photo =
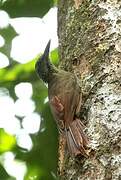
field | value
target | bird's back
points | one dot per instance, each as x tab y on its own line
64	85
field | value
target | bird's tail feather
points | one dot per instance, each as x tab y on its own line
77	141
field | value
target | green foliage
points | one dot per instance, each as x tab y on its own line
8	34
3	173
27	8
7	141
54	57
17	73
41	160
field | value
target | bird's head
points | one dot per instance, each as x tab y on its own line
43	66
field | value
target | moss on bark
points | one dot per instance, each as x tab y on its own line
89	45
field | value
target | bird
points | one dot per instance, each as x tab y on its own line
65	99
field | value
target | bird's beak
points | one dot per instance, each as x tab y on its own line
46	51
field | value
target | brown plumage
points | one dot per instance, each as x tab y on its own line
65	102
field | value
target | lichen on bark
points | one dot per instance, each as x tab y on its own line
90	45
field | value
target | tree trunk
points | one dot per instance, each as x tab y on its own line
90	46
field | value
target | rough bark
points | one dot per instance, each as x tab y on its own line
90	46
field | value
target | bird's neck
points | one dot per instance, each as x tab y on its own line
52	70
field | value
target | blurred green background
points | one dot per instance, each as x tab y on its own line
28	134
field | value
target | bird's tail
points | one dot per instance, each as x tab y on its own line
77	141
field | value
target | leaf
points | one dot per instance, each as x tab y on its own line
27	8
17	72
8	34
7	141
3	174
42	159
54	56
23	72
44	152
34	172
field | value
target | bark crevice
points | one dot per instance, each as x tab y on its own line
90	46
